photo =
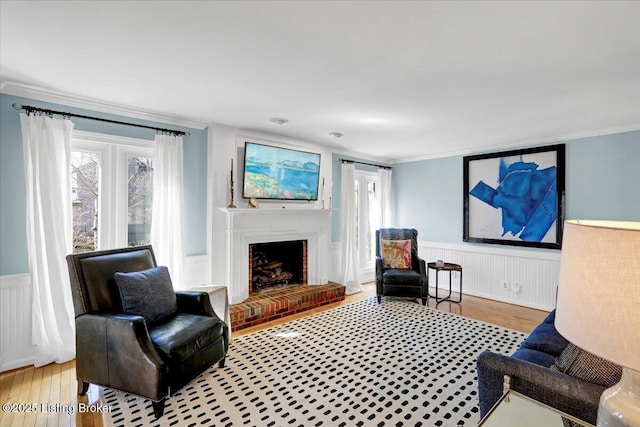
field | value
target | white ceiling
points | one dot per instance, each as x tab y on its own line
400	80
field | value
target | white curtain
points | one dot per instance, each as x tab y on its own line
349	249
167	220
385	197
46	144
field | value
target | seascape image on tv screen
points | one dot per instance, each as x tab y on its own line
280	173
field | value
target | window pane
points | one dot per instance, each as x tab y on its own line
356	187
373	221
85	172
140	199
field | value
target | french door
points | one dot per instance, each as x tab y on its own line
366	187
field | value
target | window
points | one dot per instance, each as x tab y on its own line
367	219
139	199
112	191
85	171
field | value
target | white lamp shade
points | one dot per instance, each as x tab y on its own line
598	307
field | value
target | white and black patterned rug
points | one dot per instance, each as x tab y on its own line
363	364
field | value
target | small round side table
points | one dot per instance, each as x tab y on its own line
450	267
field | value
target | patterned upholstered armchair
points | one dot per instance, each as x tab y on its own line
399	270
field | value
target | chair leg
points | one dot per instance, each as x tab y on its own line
379	299
158	408
83	387
424	301
222	362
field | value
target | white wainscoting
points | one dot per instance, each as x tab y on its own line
16	349
486	267
197	271
335	262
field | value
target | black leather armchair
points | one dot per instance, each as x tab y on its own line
128	352
410	282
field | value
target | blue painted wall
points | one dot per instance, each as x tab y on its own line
13	248
427	195
602	182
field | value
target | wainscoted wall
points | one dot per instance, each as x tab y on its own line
197	271
16	349
484	269
531	276
335	263
15	317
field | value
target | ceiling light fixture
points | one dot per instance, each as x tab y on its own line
336	134
278	121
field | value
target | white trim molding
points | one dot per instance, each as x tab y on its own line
524	143
48	95
548	254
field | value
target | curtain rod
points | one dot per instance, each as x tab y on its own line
363	163
30	109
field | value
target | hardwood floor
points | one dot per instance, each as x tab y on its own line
50	391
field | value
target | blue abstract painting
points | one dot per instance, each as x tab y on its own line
513	197
527	197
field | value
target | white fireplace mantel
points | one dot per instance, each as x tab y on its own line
262	225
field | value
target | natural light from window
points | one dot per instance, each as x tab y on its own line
112	191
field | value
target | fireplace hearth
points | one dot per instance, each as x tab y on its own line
278	302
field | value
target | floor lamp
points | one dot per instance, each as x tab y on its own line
598	307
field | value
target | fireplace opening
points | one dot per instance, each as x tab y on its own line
277	263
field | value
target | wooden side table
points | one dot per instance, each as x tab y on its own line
219	302
450	267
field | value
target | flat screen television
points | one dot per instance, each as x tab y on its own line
280	173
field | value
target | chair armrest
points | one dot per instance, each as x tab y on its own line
568	394
421	267
115	350
195	302
379	271
379	268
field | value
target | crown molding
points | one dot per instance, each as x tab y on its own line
48	95
245	133
524	143
363	156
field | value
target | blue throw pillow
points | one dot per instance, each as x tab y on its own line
148	293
